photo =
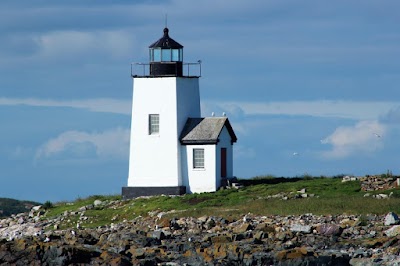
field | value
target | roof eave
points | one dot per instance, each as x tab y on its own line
198	142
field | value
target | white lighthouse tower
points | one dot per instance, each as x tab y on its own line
165	98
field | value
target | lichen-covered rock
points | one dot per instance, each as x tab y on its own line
242	228
393	231
300	228
157	240
329	229
391	218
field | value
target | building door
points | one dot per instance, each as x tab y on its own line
223	162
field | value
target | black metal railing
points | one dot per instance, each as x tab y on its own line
144	70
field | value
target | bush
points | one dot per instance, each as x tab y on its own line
307	176
48	205
263	177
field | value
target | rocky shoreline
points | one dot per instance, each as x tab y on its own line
31	239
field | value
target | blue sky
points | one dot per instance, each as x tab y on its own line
315	78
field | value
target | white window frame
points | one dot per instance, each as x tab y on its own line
154	124
198	158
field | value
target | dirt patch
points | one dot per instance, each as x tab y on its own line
195	201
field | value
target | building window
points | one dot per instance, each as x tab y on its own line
154	124
198	158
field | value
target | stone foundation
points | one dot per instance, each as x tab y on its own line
134	192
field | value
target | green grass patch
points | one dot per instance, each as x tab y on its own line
331	197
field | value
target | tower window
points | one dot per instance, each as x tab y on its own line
198	158
154	124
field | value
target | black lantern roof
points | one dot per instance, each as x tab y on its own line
166	42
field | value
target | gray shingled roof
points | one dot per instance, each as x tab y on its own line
205	130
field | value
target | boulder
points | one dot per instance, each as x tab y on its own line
300	228
156	240
391	218
329	229
266	228
36	208
242	228
97	203
393	231
158	234
221	239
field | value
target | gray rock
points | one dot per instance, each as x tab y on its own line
300	228
21	220
391	218
267	240
202	219
158	234
242	228
329	229
36	208
97	203
393	231
364	262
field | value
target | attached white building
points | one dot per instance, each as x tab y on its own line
172	149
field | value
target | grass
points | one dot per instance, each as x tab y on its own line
332	197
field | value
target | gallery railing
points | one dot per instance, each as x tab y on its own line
182	69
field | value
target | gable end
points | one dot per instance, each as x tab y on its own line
206	130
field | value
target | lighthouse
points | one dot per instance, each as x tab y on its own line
173	150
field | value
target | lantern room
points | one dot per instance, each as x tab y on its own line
166	57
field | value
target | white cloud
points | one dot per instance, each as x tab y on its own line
366	110
352	140
112	144
95	105
117	44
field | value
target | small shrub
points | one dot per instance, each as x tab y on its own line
340	176
262	177
387	175
48	205
363	220
307	176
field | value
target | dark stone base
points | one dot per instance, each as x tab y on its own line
134	192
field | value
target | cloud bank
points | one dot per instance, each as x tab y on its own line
362	138
111	144
95	105
357	110
370	118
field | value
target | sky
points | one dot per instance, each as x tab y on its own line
310	87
